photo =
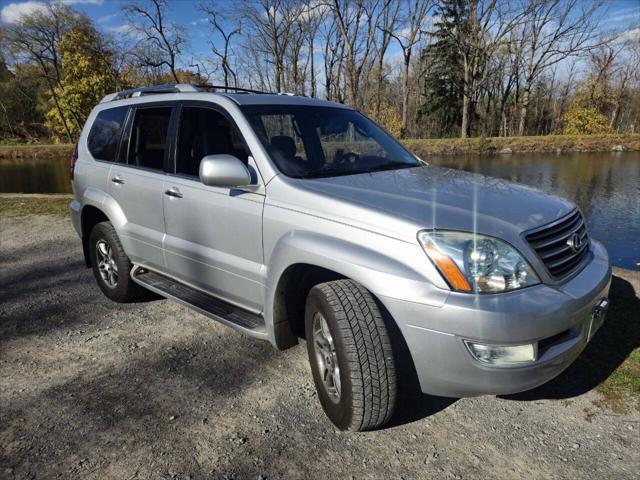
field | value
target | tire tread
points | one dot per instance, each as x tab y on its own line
369	352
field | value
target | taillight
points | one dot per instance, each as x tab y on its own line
74	159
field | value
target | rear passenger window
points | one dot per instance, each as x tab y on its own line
148	141
204	131
105	132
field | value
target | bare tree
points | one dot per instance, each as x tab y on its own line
357	22
227	34
480	28
554	30
408	37
333	51
388	25
313	15
36	37
271	23
160	41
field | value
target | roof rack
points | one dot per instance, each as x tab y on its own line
231	89
139	91
174	88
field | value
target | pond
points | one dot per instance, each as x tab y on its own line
606	186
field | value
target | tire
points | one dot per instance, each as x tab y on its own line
362	394
108	257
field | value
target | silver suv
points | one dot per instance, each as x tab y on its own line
287	217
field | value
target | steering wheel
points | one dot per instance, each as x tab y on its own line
348	157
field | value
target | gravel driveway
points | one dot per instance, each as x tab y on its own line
93	389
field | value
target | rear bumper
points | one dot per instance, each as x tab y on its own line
557	319
75	209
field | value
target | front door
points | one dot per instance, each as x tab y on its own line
213	235
137	184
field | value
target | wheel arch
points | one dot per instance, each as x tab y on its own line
98	207
304	259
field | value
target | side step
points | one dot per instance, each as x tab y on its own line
212	307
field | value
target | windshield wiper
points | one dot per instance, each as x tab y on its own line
338	171
392	166
326	172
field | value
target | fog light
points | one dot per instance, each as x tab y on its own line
502	354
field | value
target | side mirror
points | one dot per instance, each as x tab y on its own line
224	171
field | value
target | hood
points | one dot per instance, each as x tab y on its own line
393	201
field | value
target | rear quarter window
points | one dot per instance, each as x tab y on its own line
105	133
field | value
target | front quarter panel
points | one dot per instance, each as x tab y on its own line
385	266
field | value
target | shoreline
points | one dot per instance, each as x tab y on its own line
426	147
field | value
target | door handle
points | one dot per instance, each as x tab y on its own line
173	192
118	179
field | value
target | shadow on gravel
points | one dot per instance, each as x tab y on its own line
141	403
43	293
616	339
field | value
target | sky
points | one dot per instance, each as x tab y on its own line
622	15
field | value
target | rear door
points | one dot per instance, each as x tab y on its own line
213	235
136	183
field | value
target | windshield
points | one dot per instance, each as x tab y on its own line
312	142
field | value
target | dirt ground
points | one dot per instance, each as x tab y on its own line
93	389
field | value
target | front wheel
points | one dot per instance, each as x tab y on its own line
351	356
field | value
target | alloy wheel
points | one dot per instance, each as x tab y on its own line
326	357
107	265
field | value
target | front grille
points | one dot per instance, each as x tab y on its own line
553	244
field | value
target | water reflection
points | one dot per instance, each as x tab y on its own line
37	175
606	186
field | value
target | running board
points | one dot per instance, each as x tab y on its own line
212	307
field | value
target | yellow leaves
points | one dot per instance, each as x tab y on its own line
584	121
87	76
389	118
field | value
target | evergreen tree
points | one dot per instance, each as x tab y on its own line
443	82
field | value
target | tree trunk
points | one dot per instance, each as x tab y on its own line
524	109
313	69
379	86
405	95
466	103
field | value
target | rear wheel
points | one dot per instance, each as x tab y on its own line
111	266
350	354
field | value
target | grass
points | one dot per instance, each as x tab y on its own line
541	144
25	206
426	147
12	152
622	383
618	341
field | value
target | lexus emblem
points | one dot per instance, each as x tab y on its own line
574	242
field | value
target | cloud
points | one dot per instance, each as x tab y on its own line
128	31
106	18
80	2
630	35
12	12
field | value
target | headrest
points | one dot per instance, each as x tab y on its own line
285	144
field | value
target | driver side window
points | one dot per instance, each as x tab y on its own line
204	131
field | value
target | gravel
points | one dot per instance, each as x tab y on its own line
94	389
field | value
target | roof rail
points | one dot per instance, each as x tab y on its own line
178	88
139	91
207	86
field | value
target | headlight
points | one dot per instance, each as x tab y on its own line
476	263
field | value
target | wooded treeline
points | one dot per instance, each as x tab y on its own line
422	68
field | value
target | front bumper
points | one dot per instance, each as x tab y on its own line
559	319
